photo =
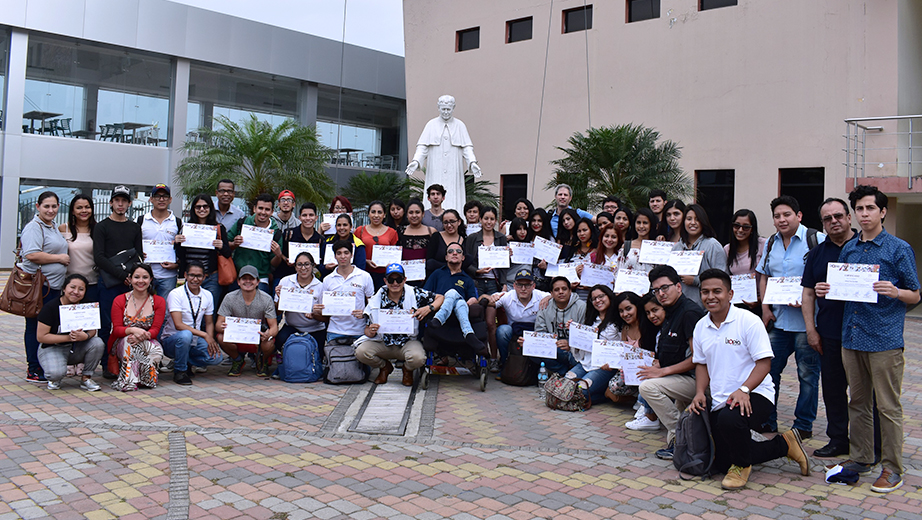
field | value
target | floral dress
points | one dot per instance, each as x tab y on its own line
139	362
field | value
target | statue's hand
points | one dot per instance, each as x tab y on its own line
412	167
475	170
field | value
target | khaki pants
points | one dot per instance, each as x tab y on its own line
877	374
668	396
374	353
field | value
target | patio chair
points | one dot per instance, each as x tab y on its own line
118	133
64	126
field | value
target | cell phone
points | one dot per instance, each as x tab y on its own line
770	326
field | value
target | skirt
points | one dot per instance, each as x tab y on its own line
138	364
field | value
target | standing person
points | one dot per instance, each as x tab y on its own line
872	339
78	231
563	194
203	212
338	206
348	278
453	231
114	238
744	251
61	348
555	319
603	315
248	302
608	251
137	317
604	218
645	224
344	232
541	227
415	238
376	234
227	214
698	235
522	209
791	244
43	248
396	215
657	202
161	225
519	231
733	357
285	217
670	227
472	210
487	280
301	322
263	261
623	218
303	234
435	194
610	204
588	240
566	234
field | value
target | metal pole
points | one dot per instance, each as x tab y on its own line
848	148
910	153
864	138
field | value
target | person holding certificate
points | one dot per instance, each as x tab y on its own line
487	280
636	331
303	234
252	304
698	235
604	319
555	319
645	224
453	230
670	227
348	279
136	320
263	261
521	306
608	251
587	241
376	233
411	304
415	237
203	214
460	293
519	232
301	322
744	251
67	347
540	225
161	226
344	232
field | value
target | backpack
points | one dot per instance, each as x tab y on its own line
342	368
565	394
301	361
812	242
694	444
518	369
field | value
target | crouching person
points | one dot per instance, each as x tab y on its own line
376	350
248	302
733	357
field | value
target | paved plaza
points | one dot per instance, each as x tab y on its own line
245	447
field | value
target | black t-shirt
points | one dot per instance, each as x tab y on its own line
830	312
678	328
50	315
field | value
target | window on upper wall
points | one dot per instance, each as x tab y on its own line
518	30
807	185
715	194
639	10
704	5
578	19
468	39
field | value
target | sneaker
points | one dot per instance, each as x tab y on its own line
736	478
643	424
199	370
494	366
667	452
182	378
166	365
796	451
262	366
109	375
35	377
236	367
89	385
887	482
641	412
53	385
858	467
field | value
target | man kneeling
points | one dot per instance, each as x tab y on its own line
733	357
248	302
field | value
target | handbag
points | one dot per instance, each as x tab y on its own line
227	271
22	295
124	260
565	394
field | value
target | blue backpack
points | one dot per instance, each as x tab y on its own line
301	360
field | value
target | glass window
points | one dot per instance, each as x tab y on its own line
518	30
579	19
715	4
639	10
364	128
468	39
715	194
80	89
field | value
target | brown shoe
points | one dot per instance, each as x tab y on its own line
796	451
383	372
736	478
407	376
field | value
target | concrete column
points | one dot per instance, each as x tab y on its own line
179	109
307	103
207	114
91	101
403	159
12	146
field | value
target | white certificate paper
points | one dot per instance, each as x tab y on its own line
522	252
242	330
582	336
158	251
83	316
598	274
547	250
567	270
783	290
296	248
338	303
744	288
493	256
631	361
395	321
539	344
632	280
606	352
295	299
199	235
330	218
472	228
258	238
414	269
852	282
655	252
686	263
384	255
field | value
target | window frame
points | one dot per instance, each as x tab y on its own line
459	36
509	24
563	19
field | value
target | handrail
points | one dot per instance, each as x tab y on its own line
856	144
883	118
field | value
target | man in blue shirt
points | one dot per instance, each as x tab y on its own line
563	194
872	339
785	254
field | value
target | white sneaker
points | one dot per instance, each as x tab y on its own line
54	385
89	385
637	405
166	365
199	370
643	424
641	412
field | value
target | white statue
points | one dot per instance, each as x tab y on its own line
445	146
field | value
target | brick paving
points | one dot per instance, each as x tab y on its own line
244	447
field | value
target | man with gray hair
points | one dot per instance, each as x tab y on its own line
563	194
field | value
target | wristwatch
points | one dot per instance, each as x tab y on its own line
431	308
745	389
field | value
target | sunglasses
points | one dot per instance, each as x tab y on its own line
450	251
746	227
394	279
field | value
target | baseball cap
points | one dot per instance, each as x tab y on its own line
394	268
120	191
287	193
524	274
248	270
160	187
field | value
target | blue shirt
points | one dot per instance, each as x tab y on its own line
829	314
555	217
876	327
442	281
788	262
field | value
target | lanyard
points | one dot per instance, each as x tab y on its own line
194	311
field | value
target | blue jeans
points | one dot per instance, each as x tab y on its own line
30	340
186	348
503	337
598	381
560	366
454	303
784	344
107	295
210	284
163	286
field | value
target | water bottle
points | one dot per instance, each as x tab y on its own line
542	378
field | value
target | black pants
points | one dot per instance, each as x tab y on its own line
732	438
835	396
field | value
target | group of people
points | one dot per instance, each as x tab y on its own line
709	355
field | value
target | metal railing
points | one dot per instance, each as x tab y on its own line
883	147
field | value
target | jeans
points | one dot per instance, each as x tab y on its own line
503	336
163	286
107	295
785	343
210	284
185	348
55	358
454	303
733	441
560	366
597	379
29	338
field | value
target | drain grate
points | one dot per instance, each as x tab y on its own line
385	411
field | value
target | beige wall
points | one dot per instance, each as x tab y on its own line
756	87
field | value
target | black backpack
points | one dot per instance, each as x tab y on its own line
694	444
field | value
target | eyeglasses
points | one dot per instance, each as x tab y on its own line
662	288
524	285
450	222
225	191
394	279
837	216
304	264
201	206
599	298
745	227
286	199
160	196
194	276
450	251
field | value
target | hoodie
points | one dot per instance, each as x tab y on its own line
554	320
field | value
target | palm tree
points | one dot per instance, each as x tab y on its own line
624	161
384	186
259	158
479	190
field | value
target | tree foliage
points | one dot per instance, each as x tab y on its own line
480	190
624	161
365	187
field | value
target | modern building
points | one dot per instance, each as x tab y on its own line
103	92
756	93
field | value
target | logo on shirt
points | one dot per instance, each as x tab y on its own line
731	341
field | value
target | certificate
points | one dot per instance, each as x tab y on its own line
493	256
655	251
414	269
199	235
330	218
472	228
547	250
598	274
158	251
539	344
783	290
567	270
606	352
242	330
295	299
395	321
338	303
744	288
296	248
83	316
384	255
632	280
631	361
258	238
582	336
686	263
522	252
852	282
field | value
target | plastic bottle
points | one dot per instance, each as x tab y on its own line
542	378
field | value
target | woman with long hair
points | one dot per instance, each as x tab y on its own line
670	229
344	232
623	218
522	209
636	331
453	230
566	232
202	212
136	320
608	251
604	218
698	235
376	233
297	322
338	205
487	280
396	215
645	224
744	251
519	231
540	225
602	315
645	418
414	239
78	231
587	241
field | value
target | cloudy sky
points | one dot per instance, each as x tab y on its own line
376	24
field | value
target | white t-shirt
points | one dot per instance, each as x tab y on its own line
298	320
359	283
518	313
182	300
730	353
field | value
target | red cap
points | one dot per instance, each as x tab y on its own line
287	193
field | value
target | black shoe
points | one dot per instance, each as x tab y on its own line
804	434
182	378
109	375
831	450
474	342
189	372
767	429
436	323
